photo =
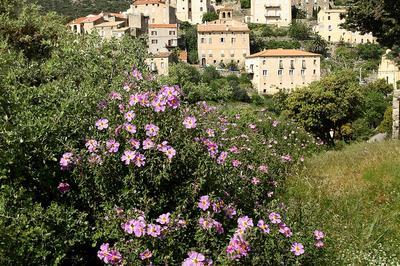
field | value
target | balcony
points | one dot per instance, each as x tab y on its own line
272	14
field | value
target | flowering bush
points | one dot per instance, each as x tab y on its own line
170	183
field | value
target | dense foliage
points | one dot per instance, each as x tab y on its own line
80	8
381	17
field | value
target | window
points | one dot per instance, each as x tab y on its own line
171	32
292	64
264	62
222	40
280	64
162	64
280	72
201	9
291	72
315	72
329	17
330	27
232	40
265	72
329	38
153	32
303	72
202	40
154	41
303	64
315	62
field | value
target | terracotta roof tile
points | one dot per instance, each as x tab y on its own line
282	52
153	26
221	25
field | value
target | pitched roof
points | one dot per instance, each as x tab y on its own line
282	53
154	26
118	15
221	25
92	18
144	2
162	55
110	24
78	20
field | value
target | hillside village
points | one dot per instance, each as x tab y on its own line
199	132
224	33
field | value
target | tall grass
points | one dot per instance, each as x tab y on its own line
354	196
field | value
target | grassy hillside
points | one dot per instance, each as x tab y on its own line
354	196
79	8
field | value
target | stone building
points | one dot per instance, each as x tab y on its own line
329	28
271	12
192	10
282	69
162	37
223	41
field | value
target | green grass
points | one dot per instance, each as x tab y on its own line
354	196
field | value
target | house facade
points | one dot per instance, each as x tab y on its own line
162	37
282	69
271	12
159	63
388	70
153	11
329	28
192	10
223	41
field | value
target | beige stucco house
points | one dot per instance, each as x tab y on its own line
388	70
192	10
153	12
282	69
159	63
85	25
162	37
275	12
223	41
329	28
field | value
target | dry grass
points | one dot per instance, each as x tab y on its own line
354	195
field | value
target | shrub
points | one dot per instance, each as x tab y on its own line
220	167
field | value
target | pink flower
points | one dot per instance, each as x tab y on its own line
63	187
218	227
275	123
147	254
194	259
139	159
137	74
319	244
134	99
283	229
130	128
114	257
128	157
153	230
163	218
245	222
263	226
129	116
112	146
102	124
319	235
104	251
222	157
134	143
206	223
263	169
92	145
236	163
252	126
230	211
210	132
190	122
255	181
237	248
274	217
170	152
159	104
204	202
66	161
297	249
286	158
135	226
151	130
148	144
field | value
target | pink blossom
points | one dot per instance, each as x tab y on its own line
66	160
128	157
275	123
236	163
206	223
130	128
163	218
135	226
170	152
190	122
115	96
263	169
148	144
319	244
92	145
102	124
63	187
195	259
210	132
204	202
112	146
151	130
263	226
274	217
134	143
297	249
153	230
255	181
319	235
103	252
129	116
237	248
222	157
139	159
285	230
245	222
147	254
